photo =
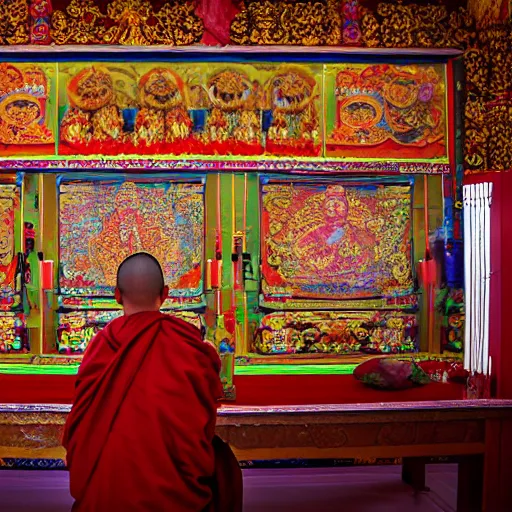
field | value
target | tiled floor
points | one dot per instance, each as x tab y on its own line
359	489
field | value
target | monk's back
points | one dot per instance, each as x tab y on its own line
140	435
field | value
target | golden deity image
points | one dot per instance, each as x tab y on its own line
234	123
386	111
93	117
294	130
163	115
316	235
23	106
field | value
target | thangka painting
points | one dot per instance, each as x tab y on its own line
204	109
9	288
336	241
334	332
386	111
101	223
27	109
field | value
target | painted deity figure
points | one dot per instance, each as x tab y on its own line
315	235
292	94
127	231
93	113
163	115
23	95
234	109
334	241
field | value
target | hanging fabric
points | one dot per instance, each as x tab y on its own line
477	272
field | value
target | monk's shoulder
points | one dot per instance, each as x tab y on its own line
182	327
187	338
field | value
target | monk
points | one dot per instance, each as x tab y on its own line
140	436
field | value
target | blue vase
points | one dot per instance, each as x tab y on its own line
267	118
129	117
199	116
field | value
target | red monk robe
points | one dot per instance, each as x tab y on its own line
139	436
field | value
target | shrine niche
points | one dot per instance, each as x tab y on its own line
386	111
26	109
127	22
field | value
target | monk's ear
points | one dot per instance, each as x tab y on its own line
118	296
165	294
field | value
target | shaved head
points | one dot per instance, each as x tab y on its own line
140	282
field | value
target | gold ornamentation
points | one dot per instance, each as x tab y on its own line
476	63
14	22
488	112
127	22
499	119
485	11
309	23
82	23
395	25
476	134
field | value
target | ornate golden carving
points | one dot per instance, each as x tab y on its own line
499	120
309	23
497	41
487	59
476	134
14	22
394	25
127	22
80	24
488	112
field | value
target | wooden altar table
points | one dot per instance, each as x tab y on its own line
478	434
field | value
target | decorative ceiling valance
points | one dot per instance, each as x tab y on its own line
127	22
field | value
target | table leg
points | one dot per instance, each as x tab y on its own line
413	473
470	484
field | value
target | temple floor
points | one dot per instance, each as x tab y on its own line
358	489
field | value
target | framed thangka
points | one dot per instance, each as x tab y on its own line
336	240
193	108
27	109
384	111
101	222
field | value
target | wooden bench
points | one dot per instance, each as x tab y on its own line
478	434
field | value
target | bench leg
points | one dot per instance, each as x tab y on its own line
470	484
413	473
